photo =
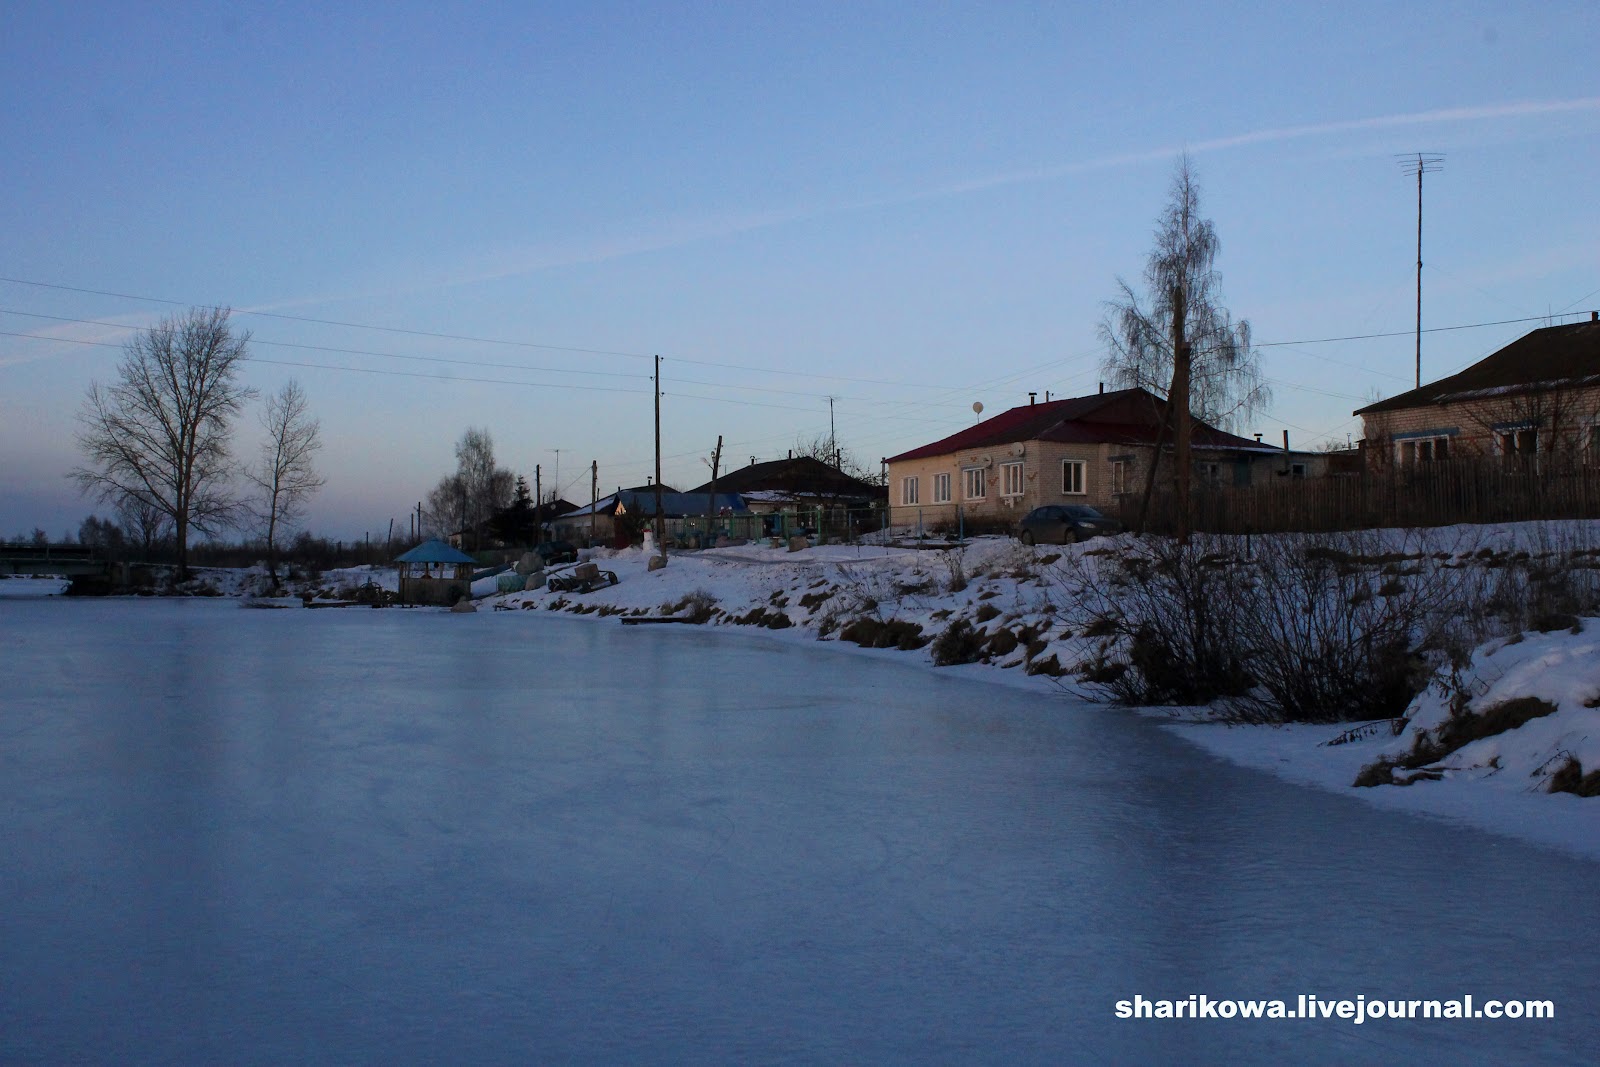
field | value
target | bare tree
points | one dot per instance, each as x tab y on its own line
144	525
1227	388
466	500
158	438
447	507
826	448
284	475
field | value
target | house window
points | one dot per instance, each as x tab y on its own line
1210	474
1011	479
1072	477
941	488
1424	450
1518	446
972	483
1119	477
1517	440
908	491
1297	470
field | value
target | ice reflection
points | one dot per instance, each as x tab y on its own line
414	836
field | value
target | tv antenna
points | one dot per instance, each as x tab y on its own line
1420	163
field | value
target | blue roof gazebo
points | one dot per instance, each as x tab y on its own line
435	573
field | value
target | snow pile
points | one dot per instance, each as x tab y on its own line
1532	698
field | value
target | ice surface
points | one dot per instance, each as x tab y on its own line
405	836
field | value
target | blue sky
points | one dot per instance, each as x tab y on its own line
906	207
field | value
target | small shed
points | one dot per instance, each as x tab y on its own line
435	573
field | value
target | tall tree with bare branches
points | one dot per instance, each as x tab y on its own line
158	438
1226	384
284	474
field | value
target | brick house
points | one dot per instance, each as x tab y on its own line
1084	450
1538	396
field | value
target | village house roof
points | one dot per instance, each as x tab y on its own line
794	478
434	551
1122	416
1548	358
643	502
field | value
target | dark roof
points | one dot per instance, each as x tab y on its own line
434	551
641	502
799	475
554	509
665	488
1123	416
1546	358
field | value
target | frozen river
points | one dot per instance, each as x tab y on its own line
389	836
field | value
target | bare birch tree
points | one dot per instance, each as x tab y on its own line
285	475
465	501
1226	384
158	438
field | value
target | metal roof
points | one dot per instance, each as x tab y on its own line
1553	357
435	551
1123	416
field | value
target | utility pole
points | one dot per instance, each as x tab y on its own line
833	440
661	522
711	505
1179	396
538	506
1424	163
594	495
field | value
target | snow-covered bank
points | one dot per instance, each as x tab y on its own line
1017	602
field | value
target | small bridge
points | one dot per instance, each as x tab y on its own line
76	562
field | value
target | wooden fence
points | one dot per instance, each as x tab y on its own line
1437	494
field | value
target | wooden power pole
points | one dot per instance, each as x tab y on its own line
661	522
711	505
538	505
594	495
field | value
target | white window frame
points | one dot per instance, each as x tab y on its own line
908	491
1119	477
1011	481
1409	452
1077	483
941	488
974	478
1513	433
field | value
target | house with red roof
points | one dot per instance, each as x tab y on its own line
1083	450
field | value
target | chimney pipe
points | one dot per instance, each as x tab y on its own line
1594	316
1102	387
1047	396
1031	398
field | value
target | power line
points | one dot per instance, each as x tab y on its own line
465	337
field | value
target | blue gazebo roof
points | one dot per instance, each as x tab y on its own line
435	551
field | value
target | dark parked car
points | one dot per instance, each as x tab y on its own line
1058	524
557	552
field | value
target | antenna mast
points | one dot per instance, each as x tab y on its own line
1423	163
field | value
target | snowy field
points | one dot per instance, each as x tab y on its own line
411	836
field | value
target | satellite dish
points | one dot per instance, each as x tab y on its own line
977	407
